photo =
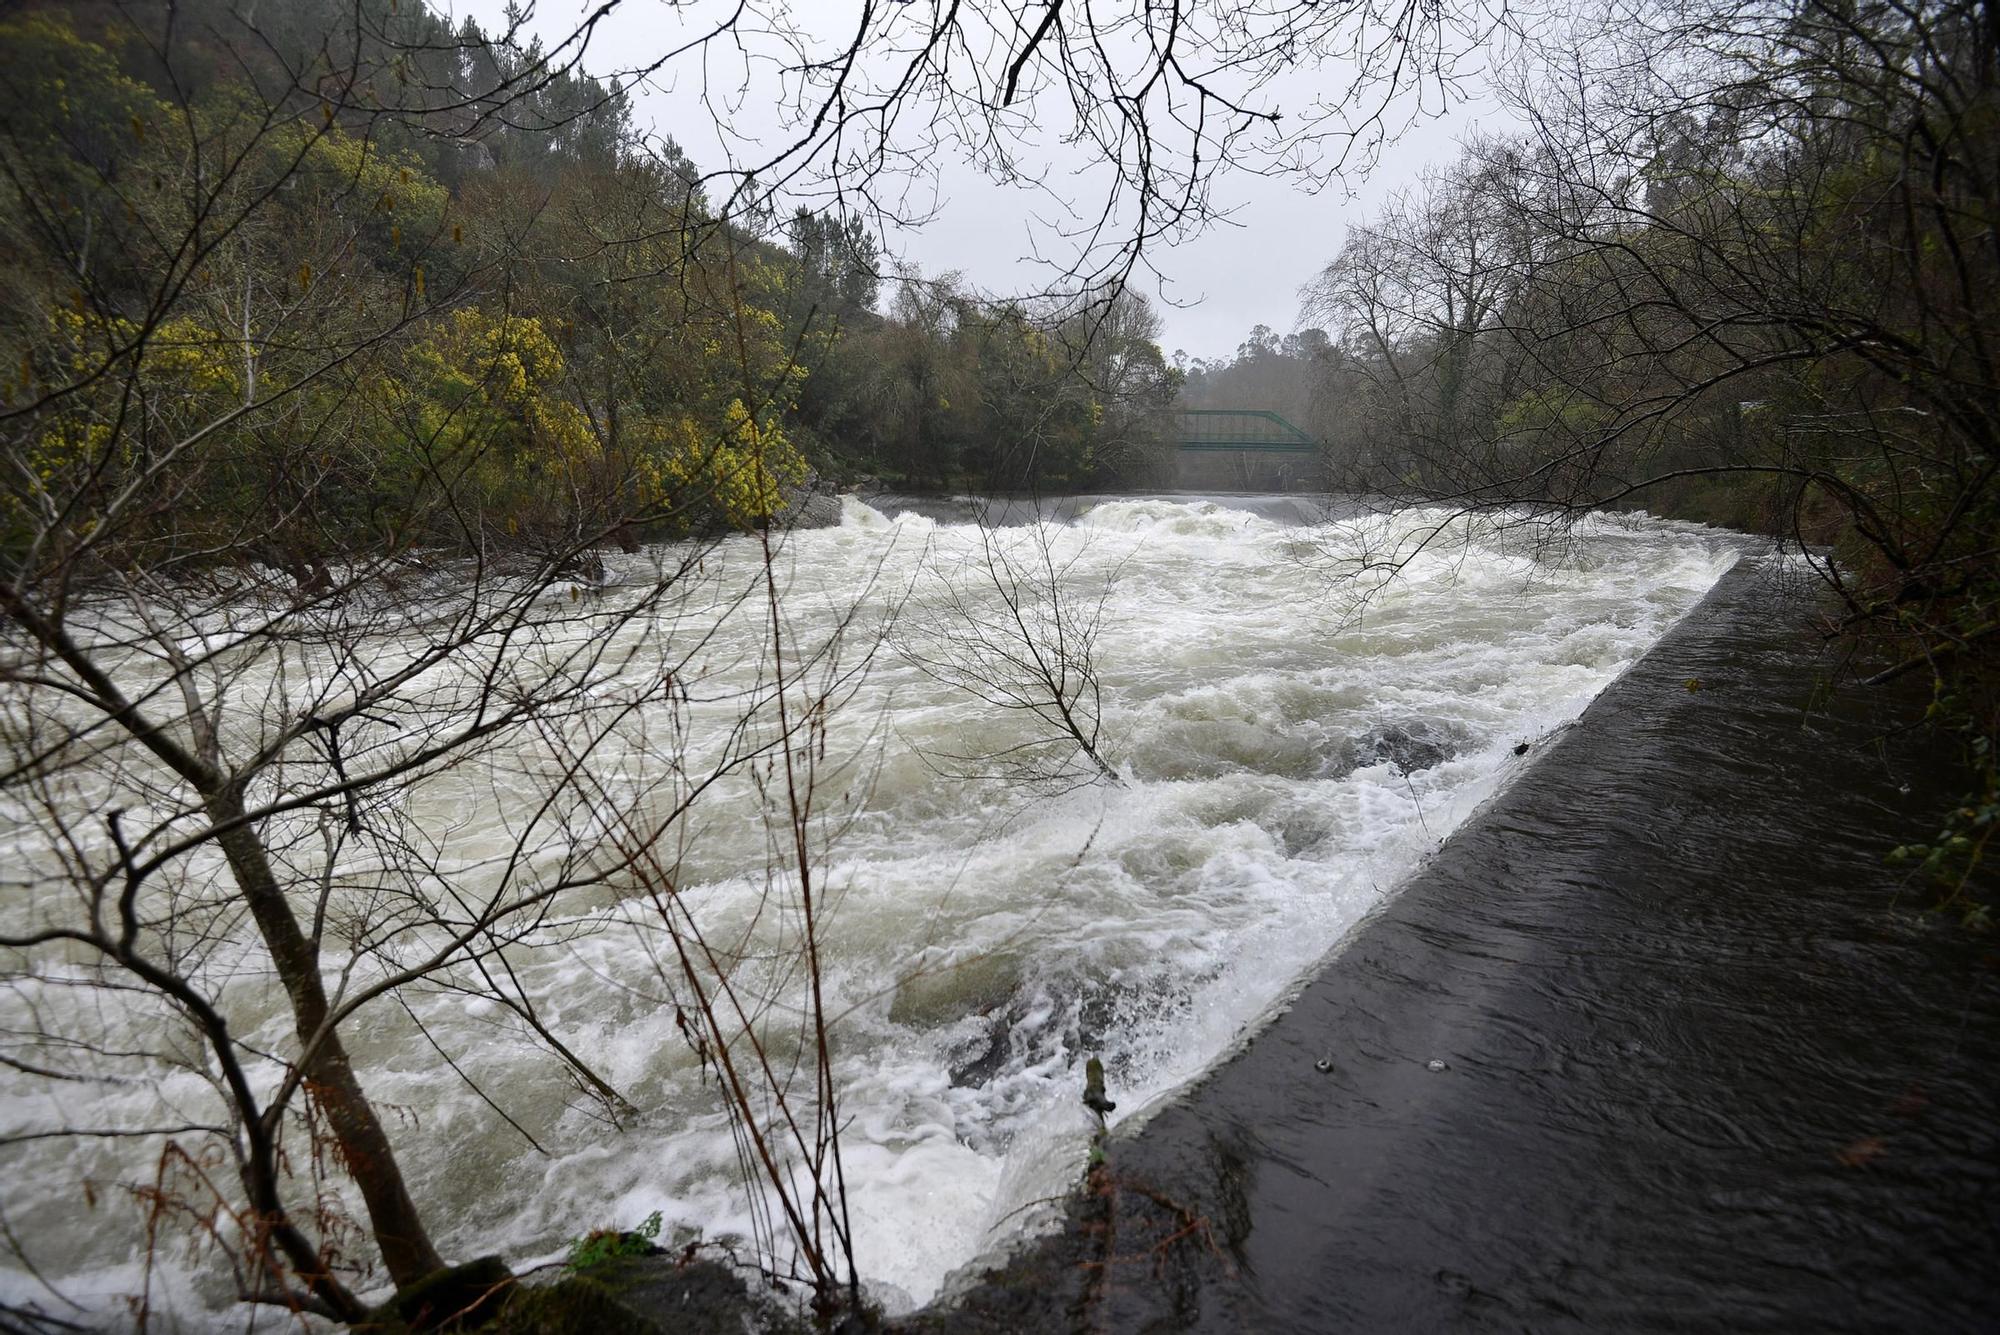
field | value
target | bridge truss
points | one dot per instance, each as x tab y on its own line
1241	429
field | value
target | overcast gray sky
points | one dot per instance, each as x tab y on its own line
1210	289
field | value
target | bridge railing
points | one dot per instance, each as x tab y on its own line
1241	429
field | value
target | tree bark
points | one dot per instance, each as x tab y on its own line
405	1244
399	1231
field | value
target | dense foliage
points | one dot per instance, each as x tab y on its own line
462	303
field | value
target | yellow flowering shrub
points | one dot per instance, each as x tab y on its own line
179	375
137	392
477	403
739	475
181	357
393	185
64	90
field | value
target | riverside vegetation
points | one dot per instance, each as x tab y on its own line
1740	267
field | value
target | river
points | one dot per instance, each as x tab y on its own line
1293	731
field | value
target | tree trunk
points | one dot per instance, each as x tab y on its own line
399	1231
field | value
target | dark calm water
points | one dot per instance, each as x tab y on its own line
1707	1063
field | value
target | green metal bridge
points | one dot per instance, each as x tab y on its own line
1232	430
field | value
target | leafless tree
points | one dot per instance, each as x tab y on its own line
1158	101
1741	266
1014	626
245	724
1692	231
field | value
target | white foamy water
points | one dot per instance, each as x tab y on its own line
1288	753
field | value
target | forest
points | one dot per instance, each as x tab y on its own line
196	237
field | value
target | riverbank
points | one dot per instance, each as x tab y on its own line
1656	1042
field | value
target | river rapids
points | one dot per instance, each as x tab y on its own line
1298	710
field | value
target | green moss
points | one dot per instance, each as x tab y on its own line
646	1295
580	1305
456	1297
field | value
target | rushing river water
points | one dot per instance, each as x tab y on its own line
1293	732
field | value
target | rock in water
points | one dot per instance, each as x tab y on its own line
1093	1088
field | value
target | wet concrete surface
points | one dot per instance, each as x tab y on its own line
1656	1042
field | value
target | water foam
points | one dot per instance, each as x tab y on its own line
1288	755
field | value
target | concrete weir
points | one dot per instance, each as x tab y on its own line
1248	470
1657	1041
